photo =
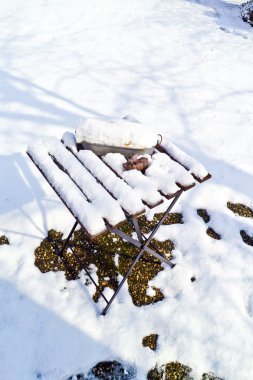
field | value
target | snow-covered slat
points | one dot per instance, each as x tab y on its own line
169	174
143	185
197	170
65	188
106	205
129	200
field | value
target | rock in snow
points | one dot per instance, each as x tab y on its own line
247	12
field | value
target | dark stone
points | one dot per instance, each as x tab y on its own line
155	374
203	214
112	370
246	238
108	370
247	12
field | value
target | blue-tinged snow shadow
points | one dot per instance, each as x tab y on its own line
227	15
14	89
36	343
19	187
17	184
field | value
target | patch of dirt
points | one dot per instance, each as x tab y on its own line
203	214
170	371
4	240
213	234
240	209
206	218
150	341
176	371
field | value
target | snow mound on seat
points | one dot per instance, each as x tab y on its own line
121	133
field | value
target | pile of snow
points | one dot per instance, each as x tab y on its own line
247	12
121	133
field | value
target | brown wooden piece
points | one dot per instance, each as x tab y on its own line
136	163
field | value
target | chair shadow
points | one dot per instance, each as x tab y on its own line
19	187
223	172
15	89
39	343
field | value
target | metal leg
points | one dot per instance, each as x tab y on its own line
137	230
88	274
68	239
164	215
122	282
58	252
142	245
62	258
143	239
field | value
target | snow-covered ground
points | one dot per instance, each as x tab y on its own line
185	68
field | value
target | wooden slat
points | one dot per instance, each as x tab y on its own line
140	183
196	176
169	174
65	202
95	193
166	192
168	188
111	182
201	180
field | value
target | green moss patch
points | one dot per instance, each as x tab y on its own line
240	209
172	218
150	341
4	240
213	234
170	371
176	371
111	256
203	214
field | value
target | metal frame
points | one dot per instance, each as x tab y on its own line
141	242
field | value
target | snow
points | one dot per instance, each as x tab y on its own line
121	133
184	68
